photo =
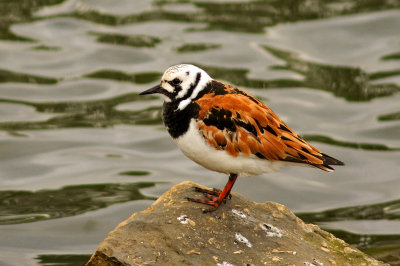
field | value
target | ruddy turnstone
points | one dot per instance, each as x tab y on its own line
226	129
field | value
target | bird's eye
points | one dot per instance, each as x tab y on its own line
176	81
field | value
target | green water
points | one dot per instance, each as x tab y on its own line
81	150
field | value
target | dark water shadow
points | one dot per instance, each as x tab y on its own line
196	47
389	117
347	144
21	206
11	76
63	259
350	83
394	56
138	78
135	173
387	210
128	40
89	114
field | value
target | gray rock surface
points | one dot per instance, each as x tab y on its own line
174	231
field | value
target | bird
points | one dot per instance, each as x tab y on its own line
228	130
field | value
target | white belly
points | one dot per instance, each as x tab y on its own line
195	147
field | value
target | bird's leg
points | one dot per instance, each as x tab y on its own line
216	196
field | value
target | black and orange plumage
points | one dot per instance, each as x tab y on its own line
230	119
225	129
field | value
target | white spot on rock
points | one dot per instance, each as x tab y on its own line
271	230
184	219
224	263
239	237
318	262
239	213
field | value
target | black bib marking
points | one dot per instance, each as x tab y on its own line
177	121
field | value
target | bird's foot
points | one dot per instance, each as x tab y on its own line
209	193
214	198
213	202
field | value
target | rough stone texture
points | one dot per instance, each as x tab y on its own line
174	231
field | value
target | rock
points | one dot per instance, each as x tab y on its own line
174	231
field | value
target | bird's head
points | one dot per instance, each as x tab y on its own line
181	84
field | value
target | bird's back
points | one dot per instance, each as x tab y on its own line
232	120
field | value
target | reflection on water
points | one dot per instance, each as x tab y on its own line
196	47
120	39
138	78
390	117
80	64
27	206
351	83
393	56
99	113
387	210
10	76
354	145
62	259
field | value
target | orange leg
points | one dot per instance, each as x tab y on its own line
216	196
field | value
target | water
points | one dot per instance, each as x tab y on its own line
80	150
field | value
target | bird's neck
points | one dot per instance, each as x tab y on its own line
177	121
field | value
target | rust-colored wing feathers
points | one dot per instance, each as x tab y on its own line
232	120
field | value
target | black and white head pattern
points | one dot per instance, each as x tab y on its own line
182	83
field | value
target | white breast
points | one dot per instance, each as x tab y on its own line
194	146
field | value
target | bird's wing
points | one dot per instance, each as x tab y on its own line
230	119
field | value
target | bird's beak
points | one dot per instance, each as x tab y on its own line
155	89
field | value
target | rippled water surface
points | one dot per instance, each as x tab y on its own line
80	150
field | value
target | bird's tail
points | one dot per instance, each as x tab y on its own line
327	161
